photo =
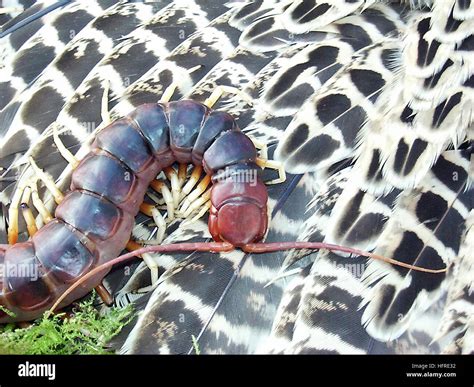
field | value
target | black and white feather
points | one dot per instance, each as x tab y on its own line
369	105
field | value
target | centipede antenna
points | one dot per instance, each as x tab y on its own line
68	156
271	164
279	246
221	90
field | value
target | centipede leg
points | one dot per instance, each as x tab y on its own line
200	189
191	183
262	147
68	156
153	267
198	203
204	209
147	258
169	91
38	203
13	212
104	106
161	187
174	179
221	90
151	210
27	213
273	165
48	182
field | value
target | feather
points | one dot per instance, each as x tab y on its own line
326	128
427	108
456	325
21	70
41	103
302	16
425	229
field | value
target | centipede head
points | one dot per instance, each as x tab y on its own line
239	213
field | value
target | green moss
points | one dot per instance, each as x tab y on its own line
87	331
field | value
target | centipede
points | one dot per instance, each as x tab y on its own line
92	224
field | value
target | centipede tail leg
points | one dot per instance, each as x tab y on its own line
104	294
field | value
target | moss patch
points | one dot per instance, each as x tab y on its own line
87	331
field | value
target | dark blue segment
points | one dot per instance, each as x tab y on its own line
216	123
125	142
24	285
61	252
230	148
100	173
91	214
153	124
186	118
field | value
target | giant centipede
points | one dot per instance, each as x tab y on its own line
93	222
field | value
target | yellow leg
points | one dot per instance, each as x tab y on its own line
221	90
273	165
104	105
169	91
193	180
13	212
27	213
48	182
196	204
160	224
152	265
201	213
262	147
161	187
68	156
38	203
201	187
182	173
173	177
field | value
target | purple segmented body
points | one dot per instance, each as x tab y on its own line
94	221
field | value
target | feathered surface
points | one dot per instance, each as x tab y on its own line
369	105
